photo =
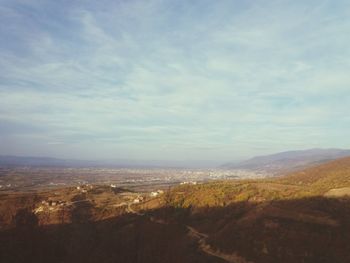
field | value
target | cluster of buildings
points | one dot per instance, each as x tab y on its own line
156	193
138	199
7	185
84	188
49	205
185	182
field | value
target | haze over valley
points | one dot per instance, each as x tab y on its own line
152	131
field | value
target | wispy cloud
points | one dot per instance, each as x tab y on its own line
165	79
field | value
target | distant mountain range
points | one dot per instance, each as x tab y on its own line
278	163
9	161
289	161
28	161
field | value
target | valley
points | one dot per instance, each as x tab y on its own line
299	217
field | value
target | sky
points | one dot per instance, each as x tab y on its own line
173	80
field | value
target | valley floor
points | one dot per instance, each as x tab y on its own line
303	217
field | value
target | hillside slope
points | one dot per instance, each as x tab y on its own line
289	161
313	181
289	219
322	178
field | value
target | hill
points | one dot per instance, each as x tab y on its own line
289	161
322	178
285	219
301	217
312	181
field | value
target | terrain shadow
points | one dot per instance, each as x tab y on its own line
300	230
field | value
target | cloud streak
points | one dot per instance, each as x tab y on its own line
174	80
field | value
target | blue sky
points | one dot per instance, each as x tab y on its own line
208	80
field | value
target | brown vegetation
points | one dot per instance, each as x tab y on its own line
303	217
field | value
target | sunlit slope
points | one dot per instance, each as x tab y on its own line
330	179
322	178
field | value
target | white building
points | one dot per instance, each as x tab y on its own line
154	194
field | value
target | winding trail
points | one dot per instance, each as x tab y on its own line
201	240
206	248
129	209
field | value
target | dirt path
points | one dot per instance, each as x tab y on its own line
205	247
129	209
201	240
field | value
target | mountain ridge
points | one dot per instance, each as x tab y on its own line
288	161
37	161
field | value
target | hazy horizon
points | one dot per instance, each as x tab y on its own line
165	80
177	163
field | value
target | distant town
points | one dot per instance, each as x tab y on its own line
28	178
